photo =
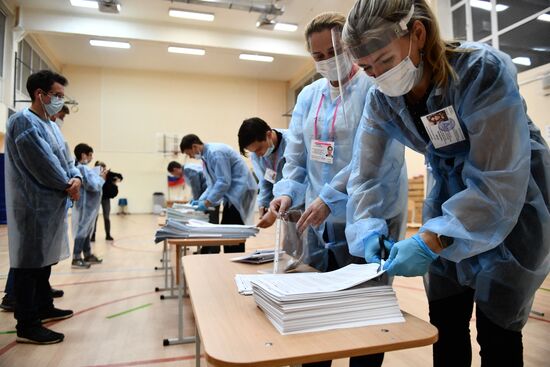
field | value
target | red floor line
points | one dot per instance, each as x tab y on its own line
539	318
105	304
106	280
131	249
150	361
7	347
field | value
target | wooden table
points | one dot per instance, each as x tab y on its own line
235	332
181	245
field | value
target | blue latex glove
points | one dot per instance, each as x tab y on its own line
201	207
372	248
194	202
410	257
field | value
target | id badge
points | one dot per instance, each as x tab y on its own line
322	151
270	175
443	127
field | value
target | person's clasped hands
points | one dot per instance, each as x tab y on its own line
73	189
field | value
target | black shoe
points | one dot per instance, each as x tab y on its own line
39	335
80	264
55	314
109	238
92	259
8	303
92	239
57	293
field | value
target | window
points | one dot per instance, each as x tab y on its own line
518	27
2	40
27	61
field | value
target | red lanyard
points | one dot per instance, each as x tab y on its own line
331	135
275	161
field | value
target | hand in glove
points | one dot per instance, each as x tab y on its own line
372	248
410	257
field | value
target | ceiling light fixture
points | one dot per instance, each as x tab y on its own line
112	44
521	60
186	50
186	14
260	58
486	5
286	27
92	4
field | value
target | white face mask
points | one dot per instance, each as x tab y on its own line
55	105
59	122
198	156
400	79
327	68
269	150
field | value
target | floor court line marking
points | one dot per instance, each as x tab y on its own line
105	280
131	249
150	361
9	346
106	271
128	311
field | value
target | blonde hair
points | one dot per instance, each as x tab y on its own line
323	21
368	18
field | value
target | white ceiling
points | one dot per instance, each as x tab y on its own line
65	31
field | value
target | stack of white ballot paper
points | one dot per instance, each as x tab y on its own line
182	214
199	229
343	298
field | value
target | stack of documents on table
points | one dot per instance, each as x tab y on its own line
184	214
343	298
199	229
257	257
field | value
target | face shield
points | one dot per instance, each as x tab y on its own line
382	57
380	37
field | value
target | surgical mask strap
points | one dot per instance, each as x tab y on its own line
44	107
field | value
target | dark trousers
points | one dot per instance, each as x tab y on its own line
372	360
231	216
82	245
361	361
451	316
32	295
214	218
10	284
106	207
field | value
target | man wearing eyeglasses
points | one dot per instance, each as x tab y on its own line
40	184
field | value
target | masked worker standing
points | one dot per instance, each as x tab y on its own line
486	231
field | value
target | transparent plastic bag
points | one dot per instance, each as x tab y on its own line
292	243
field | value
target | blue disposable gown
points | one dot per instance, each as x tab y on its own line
194	177
490	192
229	179
276	162
85	210
37	175
305	179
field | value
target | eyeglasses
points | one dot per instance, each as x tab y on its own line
58	95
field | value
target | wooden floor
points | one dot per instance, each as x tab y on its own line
103	333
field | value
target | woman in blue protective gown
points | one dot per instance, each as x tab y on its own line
318	179
319	124
485	236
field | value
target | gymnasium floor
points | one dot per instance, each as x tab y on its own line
120	321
